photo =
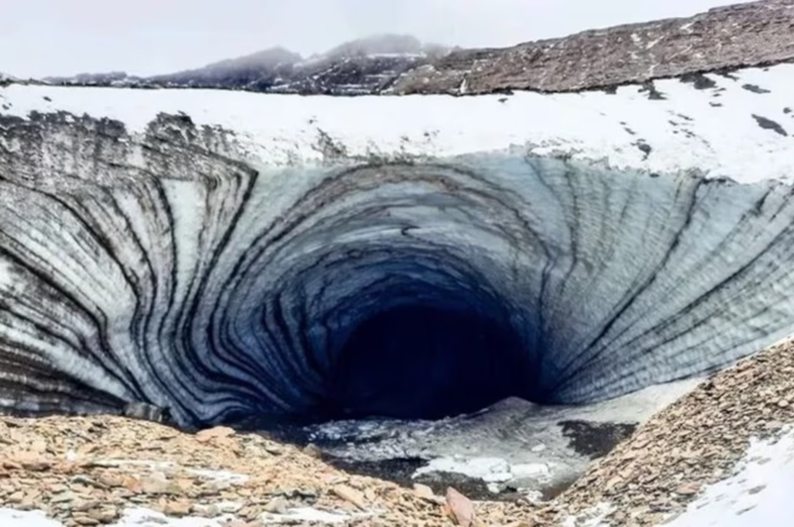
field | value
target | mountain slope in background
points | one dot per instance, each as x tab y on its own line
724	38
243	72
360	66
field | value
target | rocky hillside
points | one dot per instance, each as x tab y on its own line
751	34
694	443
363	66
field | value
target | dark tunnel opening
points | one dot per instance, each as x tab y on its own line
426	362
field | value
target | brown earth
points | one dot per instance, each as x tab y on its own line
756	33
722	39
87	470
693	442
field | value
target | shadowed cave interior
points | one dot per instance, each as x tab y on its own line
425	361
408	300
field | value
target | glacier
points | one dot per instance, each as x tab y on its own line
216	255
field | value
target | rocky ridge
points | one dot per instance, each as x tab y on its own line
358	67
725	38
749	34
696	441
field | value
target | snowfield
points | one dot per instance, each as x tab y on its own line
719	125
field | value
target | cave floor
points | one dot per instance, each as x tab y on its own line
513	449
111	470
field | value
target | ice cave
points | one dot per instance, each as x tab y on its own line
216	255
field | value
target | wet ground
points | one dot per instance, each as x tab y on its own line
595	439
590	439
512	450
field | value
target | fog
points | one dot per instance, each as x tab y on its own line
63	37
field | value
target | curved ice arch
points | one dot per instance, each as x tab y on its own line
151	269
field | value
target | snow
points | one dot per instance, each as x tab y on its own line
635	407
15	518
143	517
712	130
758	494
514	443
305	514
220	476
590	518
133	517
491	470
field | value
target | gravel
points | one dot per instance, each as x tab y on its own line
92	470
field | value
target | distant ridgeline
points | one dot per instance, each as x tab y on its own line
750	34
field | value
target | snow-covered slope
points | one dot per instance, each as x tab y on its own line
757	494
716	124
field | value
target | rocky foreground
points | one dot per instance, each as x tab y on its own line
93	470
692	443
89	470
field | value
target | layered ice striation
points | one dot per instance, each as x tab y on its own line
153	262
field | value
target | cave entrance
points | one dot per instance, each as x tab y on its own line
426	362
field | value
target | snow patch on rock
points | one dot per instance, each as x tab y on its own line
759	493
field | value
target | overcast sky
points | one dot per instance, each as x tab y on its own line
60	37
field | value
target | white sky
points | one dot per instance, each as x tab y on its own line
60	37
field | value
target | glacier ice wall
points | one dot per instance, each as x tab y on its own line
217	260
159	269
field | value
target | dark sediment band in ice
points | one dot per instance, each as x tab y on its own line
152	269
